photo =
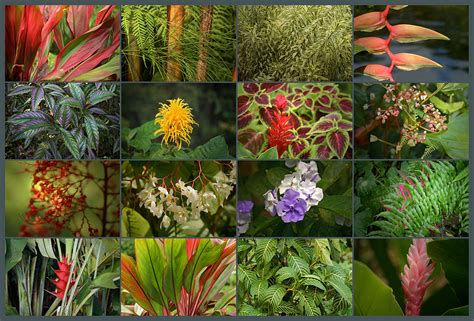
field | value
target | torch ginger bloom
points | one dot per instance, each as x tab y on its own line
176	122
415	276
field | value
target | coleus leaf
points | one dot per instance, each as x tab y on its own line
250	88
251	140
323	152
404	33
244	120
271	87
379	72
243	103
338	142
369	22
408	61
262	99
373	45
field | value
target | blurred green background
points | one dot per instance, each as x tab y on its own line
213	107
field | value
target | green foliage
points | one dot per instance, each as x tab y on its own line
61	121
146	27
29	290
331	217
289	277
295	43
428	198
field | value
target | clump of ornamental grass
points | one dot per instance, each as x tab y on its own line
295	43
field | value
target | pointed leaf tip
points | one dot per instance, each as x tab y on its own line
409	62
369	22
404	33
379	72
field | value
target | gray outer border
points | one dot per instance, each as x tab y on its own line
233	2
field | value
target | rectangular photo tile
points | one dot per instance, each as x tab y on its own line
178	198
411	121
294	277
294	120
411	199
294	198
62	43
295	43
62	120
401	43
178	121
62	277
178	43
411	277
178	277
62	198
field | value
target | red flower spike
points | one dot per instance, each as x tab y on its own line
63	274
279	133
280	102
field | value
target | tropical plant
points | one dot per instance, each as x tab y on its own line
177	42
295	43
184	277
295	198
62	42
418	198
412	121
402	33
295	120
288	277
62	277
411	277
68	198
178	198
177	131
60	121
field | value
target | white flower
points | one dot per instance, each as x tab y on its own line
290	181
309	171
311	194
156	209
180	184
165	222
191	194
270	201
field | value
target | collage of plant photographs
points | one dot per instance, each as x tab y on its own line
236	160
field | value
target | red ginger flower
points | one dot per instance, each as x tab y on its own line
415	276
62	274
279	134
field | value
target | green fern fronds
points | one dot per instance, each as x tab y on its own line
429	201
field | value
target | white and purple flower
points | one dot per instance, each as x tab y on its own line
244	215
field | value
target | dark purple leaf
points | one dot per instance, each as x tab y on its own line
244	119
330	89
243	103
323	152
338	141
250	88
324	100
251	140
298	147
267	114
303	131
346	105
294	121
323	125
319	139
269	87
315	89
37	95
344	125
263	99
309	102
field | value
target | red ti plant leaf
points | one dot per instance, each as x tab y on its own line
371	21
103	14
250	88
251	140
244	119
243	103
408	61
404	33
373	45
132	283
379	72
78	18
23	27
338	142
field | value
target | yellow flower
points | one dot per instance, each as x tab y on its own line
176	122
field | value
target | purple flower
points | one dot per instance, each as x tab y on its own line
244	215
244	206
291	208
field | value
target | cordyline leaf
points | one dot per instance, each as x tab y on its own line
379	72
191	246
408	61
175	253
132	284
373	45
150	268
404	33
369	22
206	254
107	70
78	18
103	14
338	142
251	140
23	27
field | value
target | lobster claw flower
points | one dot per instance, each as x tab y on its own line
371	21
404	33
379	72
409	62
373	45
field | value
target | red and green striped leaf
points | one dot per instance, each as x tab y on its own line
338	142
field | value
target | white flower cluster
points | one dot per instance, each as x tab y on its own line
186	203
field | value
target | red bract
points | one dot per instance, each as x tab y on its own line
279	133
63	273
402	33
89	55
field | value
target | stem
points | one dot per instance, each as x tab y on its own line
106	188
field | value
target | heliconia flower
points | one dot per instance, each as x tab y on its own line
404	33
415	276
176	122
373	45
279	133
370	21
379	72
63	274
408	61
